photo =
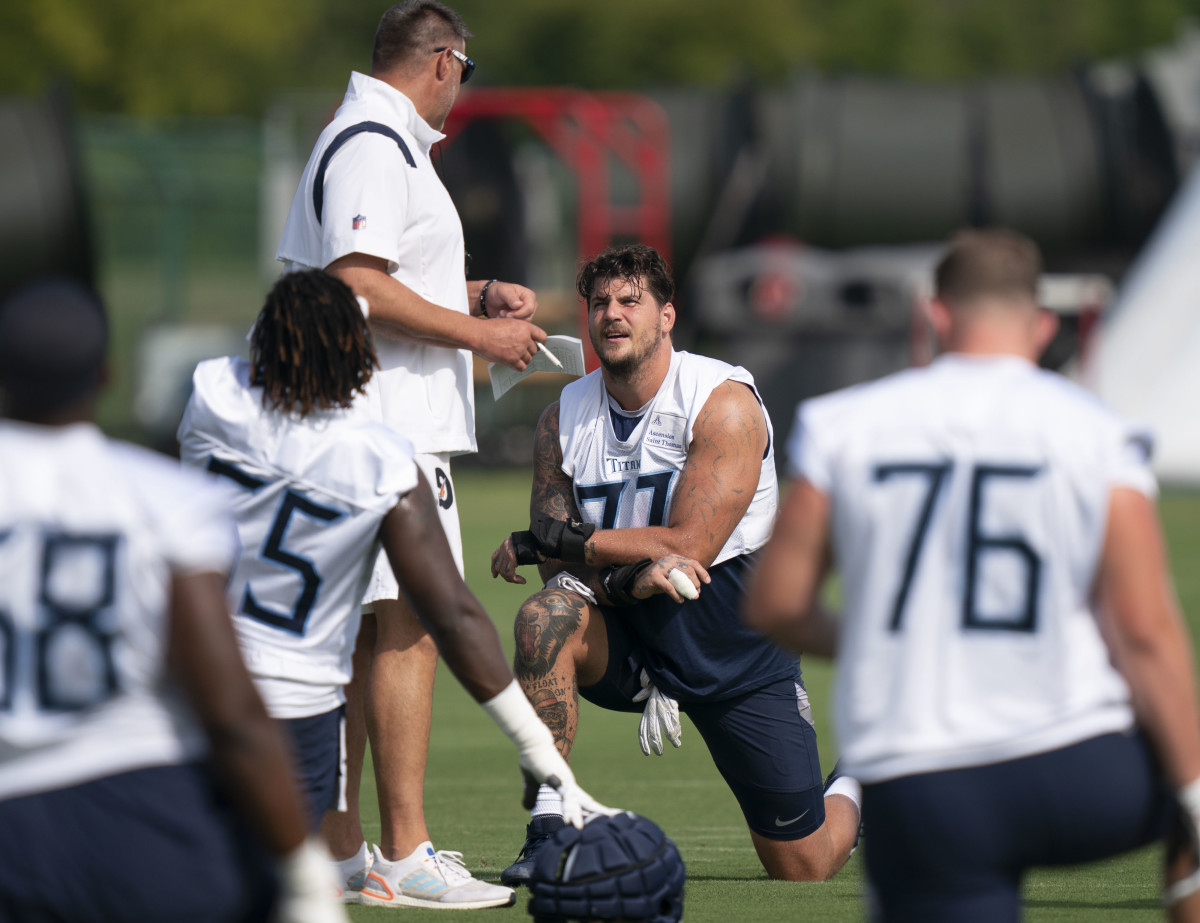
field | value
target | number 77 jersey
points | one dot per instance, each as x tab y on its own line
629	483
968	505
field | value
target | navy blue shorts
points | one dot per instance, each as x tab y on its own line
317	746
762	741
152	844
952	845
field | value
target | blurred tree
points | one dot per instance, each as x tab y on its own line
190	57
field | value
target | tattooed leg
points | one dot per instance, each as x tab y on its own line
557	634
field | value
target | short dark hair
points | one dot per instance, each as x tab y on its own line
310	348
988	263
637	264
53	342
414	28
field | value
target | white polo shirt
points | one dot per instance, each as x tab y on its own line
376	204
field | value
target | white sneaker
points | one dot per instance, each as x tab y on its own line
438	880
352	873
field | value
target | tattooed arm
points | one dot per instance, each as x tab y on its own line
722	453
552	493
551	496
715	489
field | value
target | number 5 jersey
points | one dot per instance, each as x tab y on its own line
309	496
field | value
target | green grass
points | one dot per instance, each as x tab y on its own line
472	788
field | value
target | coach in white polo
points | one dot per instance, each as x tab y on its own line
371	210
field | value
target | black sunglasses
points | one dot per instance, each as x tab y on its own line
467	63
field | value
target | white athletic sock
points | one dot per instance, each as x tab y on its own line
844	785
548	802
354	863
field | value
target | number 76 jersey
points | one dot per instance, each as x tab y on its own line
969	502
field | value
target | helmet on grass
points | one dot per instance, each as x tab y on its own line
616	868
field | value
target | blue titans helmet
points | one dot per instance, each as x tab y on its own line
616	868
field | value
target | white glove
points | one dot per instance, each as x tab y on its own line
567	581
661	713
578	807
1189	808
539	757
309	890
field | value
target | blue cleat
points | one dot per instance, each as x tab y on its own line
538	832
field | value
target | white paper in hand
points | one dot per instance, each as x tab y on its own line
568	351
683	584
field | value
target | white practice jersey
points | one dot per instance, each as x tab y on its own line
621	485
91	534
969	504
309	496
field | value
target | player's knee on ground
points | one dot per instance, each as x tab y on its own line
545	624
812	858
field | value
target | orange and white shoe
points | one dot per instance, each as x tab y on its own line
437	880
351	873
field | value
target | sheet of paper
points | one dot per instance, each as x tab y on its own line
568	351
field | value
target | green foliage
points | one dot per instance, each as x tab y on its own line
190	57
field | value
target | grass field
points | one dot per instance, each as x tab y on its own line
473	785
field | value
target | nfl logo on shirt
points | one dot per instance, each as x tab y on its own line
360	222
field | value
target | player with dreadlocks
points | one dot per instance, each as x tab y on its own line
316	486
311	348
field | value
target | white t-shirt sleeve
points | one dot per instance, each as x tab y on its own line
805	456
1131	461
189	518
366	200
211	539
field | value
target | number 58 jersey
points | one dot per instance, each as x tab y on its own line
969	502
92	531
309	496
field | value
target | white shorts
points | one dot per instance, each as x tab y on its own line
436	469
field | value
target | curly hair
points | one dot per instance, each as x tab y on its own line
637	264
311	348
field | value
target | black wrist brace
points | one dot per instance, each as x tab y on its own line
553	538
618	580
